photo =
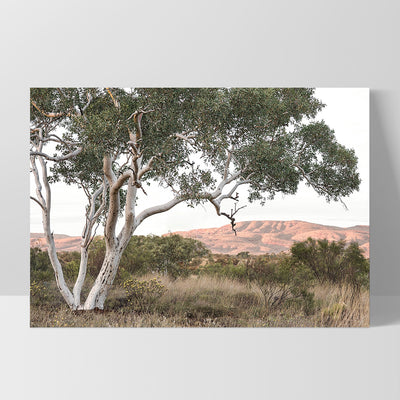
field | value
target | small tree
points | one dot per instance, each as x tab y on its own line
279	279
111	142
333	261
171	254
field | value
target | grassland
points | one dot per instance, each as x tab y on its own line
205	301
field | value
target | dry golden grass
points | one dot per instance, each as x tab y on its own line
342	307
204	301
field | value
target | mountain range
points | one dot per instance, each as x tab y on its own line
259	237
256	237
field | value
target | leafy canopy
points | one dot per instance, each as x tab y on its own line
271	135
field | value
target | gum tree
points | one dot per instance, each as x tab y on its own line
199	144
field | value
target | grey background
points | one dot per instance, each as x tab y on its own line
207	43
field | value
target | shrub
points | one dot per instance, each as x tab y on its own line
309	303
171	255
71	270
40	266
225	270
122	276
280	279
38	293
141	295
333	261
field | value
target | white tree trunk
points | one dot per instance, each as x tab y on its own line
104	280
45	203
115	245
81	278
62	286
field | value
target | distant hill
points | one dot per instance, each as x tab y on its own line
256	237
259	237
63	242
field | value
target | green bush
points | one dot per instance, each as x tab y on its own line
230	270
333	261
141	295
280	279
38	293
40	266
171	255
309	303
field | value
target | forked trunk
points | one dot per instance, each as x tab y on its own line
104	280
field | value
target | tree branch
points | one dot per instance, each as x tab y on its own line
148	167
317	186
114	100
228	161
217	197
40	204
186	136
46	208
60	158
157	210
49	115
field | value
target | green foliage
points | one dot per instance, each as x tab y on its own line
309	303
230	270
96	256
38	292
70	262
243	255
276	141
333	261
122	276
142	294
172	255
279	279
40	266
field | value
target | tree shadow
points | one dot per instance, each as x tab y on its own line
384	209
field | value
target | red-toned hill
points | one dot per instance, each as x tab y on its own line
256	237
63	242
259	237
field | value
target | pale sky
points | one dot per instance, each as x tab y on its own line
346	112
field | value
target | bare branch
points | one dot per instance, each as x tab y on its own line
234	188
49	115
217	197
40	204
141	111
114	100
157	210
185	137
231	217
60	158
57	139
46	208
148	167
92	214
38	184
89	98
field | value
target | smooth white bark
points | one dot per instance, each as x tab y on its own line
46	209
115	245
104	280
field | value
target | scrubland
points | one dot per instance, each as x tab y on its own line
176	282
202	301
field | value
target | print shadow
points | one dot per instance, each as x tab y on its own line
384	210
